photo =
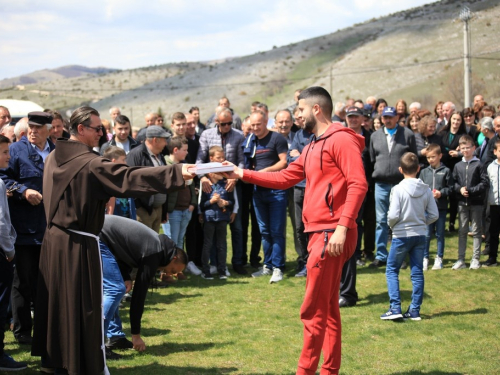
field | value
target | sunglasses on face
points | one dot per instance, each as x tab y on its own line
97	129
226	123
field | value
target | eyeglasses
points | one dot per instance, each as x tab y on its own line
97	129
226	123
465	116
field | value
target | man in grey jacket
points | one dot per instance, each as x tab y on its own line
387	145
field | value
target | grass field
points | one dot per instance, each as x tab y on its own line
247	326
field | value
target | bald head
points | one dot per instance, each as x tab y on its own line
151	119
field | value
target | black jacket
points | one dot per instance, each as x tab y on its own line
438	179
139	157
473	176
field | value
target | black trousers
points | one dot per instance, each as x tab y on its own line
369	221
494	231
24	287
349	271
247	216
6	275
194	239
303	238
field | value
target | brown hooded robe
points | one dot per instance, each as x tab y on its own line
77	184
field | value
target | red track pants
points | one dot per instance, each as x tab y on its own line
320	310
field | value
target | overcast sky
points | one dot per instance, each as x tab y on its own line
130	34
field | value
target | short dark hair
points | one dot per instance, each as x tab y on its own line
497	143
466	139
113	152
433	147
409	163
319	96
263	105
55	114
176	142
178	116
122	120
192	109
181	255
82	116
4	139
254	104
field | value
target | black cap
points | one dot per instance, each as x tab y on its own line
39	118
354	111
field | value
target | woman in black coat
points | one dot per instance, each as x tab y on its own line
450	136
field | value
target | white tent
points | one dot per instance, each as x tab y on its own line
20	108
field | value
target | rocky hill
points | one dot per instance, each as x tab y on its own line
415	54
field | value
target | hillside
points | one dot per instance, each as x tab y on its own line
46	75
414	54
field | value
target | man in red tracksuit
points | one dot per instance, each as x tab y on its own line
335	189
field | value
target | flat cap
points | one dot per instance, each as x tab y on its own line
39	118
155	131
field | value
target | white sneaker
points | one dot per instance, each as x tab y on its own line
425	265
191	267
438	263
264	271
277	276
227	272
459	264
213	270
474	264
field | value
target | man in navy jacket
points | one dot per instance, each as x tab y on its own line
25	176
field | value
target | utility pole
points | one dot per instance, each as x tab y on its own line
466	16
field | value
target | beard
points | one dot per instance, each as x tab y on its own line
310	123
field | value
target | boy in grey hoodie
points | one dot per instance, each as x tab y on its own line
412	208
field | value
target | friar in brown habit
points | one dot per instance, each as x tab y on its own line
77	184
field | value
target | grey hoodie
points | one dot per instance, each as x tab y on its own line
412	208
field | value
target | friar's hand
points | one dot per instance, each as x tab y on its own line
185	172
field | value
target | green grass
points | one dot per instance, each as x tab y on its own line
246	326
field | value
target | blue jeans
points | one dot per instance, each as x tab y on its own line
166	229
270	209
414	246
113	291
179	221
438	228
382	195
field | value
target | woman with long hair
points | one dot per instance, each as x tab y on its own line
412	122
450	135
470	123
438	112
380	105
401	109
426	135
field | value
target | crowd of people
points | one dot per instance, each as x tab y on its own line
456	163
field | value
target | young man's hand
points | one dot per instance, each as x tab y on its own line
138	343
237	172
337	240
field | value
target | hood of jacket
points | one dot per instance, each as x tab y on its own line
414	187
